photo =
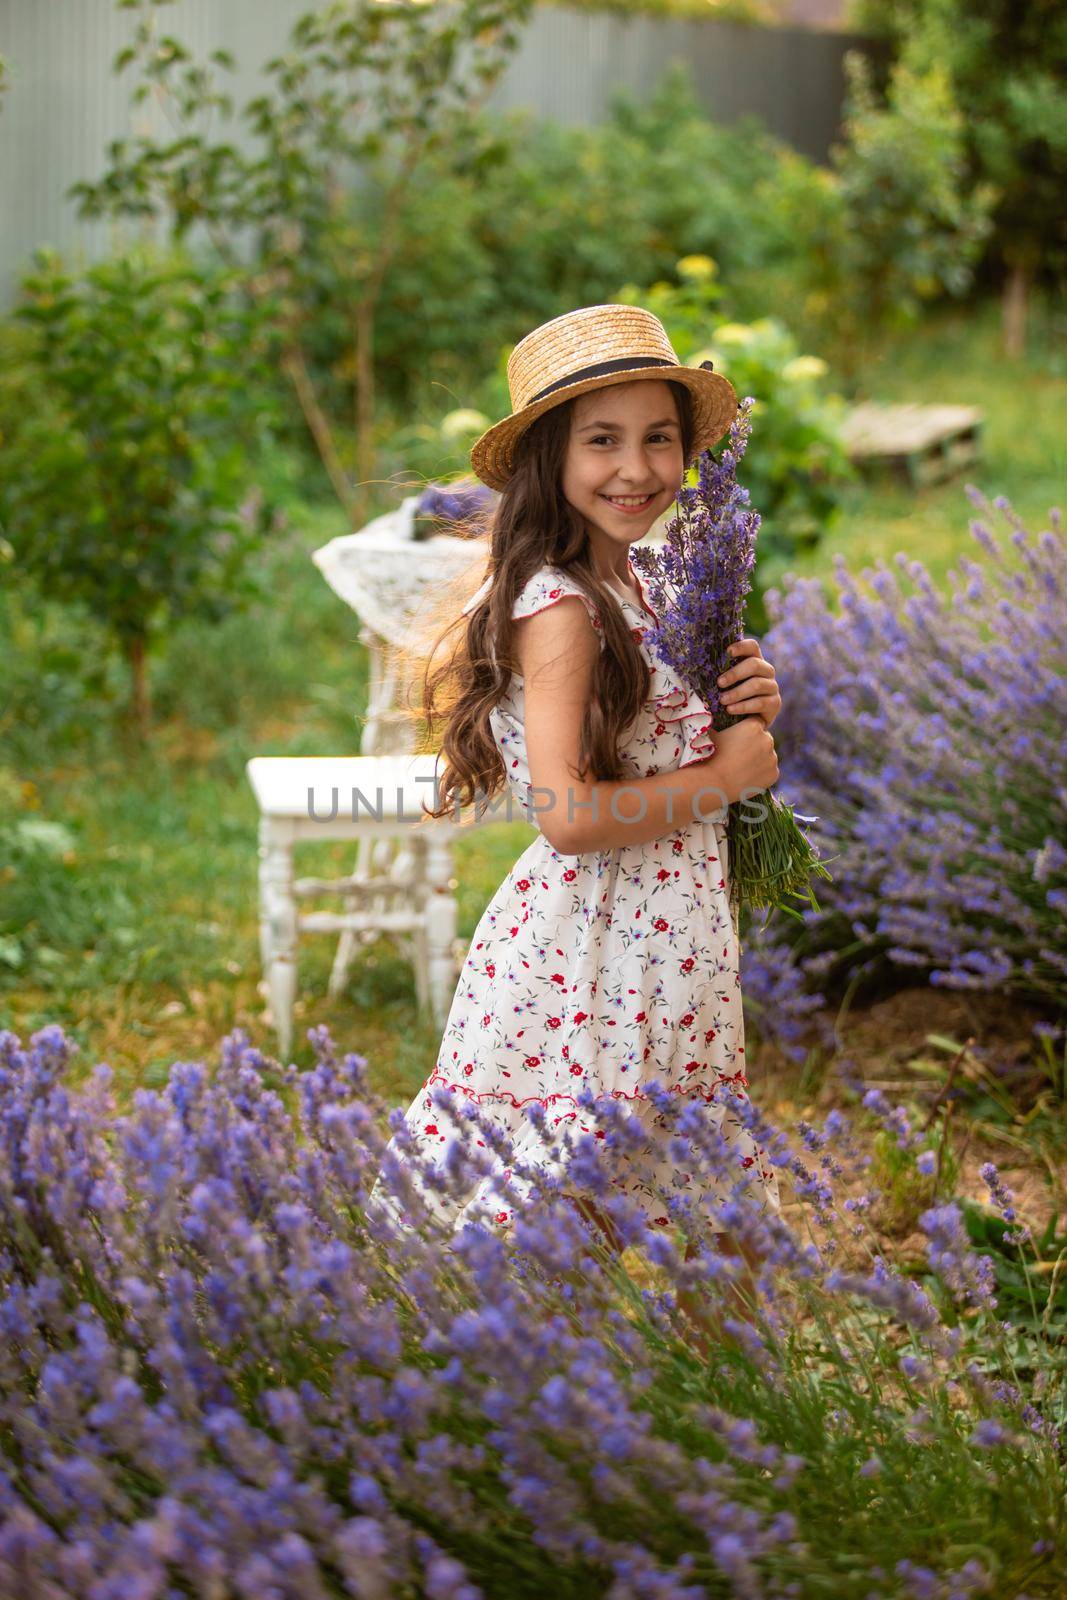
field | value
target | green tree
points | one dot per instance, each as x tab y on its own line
892	222
362	81
121	486
912	222
1007	61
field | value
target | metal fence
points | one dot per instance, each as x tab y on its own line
65	104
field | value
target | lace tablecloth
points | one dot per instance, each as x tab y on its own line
386	575
393	582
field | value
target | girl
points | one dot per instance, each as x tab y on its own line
607	958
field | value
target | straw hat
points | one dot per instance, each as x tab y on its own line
589	349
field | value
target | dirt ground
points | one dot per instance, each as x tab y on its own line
892	1044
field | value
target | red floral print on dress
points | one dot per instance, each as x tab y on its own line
607	970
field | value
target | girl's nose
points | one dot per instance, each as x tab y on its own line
635	466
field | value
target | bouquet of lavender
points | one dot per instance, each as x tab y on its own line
698	587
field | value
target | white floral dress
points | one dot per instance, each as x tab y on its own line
605	970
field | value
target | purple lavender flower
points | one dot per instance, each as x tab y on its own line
455	502
970	1278
221	1371
697	586
926	730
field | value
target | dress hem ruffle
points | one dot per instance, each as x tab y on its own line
615	1094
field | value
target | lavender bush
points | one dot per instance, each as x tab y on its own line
926	731
223	1374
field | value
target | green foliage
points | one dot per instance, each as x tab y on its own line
514	221
156	886
520	220
40	895
1007	65
1016	1300
748	13
289	181
795	476
905	1191
913	228
894	223
121	484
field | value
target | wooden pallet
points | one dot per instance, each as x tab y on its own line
924	443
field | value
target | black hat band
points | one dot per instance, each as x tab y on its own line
600	370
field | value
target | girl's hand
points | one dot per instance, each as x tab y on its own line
745	760
749	687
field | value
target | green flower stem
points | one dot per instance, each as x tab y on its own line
771	859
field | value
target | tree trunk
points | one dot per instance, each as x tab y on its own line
139	707
295	369
1013	310
366	307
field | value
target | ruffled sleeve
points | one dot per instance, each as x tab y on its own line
681	713
547	588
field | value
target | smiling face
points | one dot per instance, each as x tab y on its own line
623	466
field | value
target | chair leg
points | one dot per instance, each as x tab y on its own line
372	855
379	858
349	942
440	926
277	927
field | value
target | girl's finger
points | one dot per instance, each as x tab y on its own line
751	666
756	684
753	702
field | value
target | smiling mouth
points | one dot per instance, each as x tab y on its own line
628	502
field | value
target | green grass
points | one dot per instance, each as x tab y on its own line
956	358
141	938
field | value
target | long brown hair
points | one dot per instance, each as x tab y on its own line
531	526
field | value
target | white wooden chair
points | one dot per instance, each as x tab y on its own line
374	800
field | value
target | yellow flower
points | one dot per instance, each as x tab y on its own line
697	268
458	423
802	367
734	333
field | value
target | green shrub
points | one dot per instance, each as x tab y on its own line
894	223
122	484
746	12
1006	64
522	220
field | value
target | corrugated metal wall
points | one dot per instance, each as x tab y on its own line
65	103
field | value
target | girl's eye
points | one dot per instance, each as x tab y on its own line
602	436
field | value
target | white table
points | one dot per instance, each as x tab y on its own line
392	581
